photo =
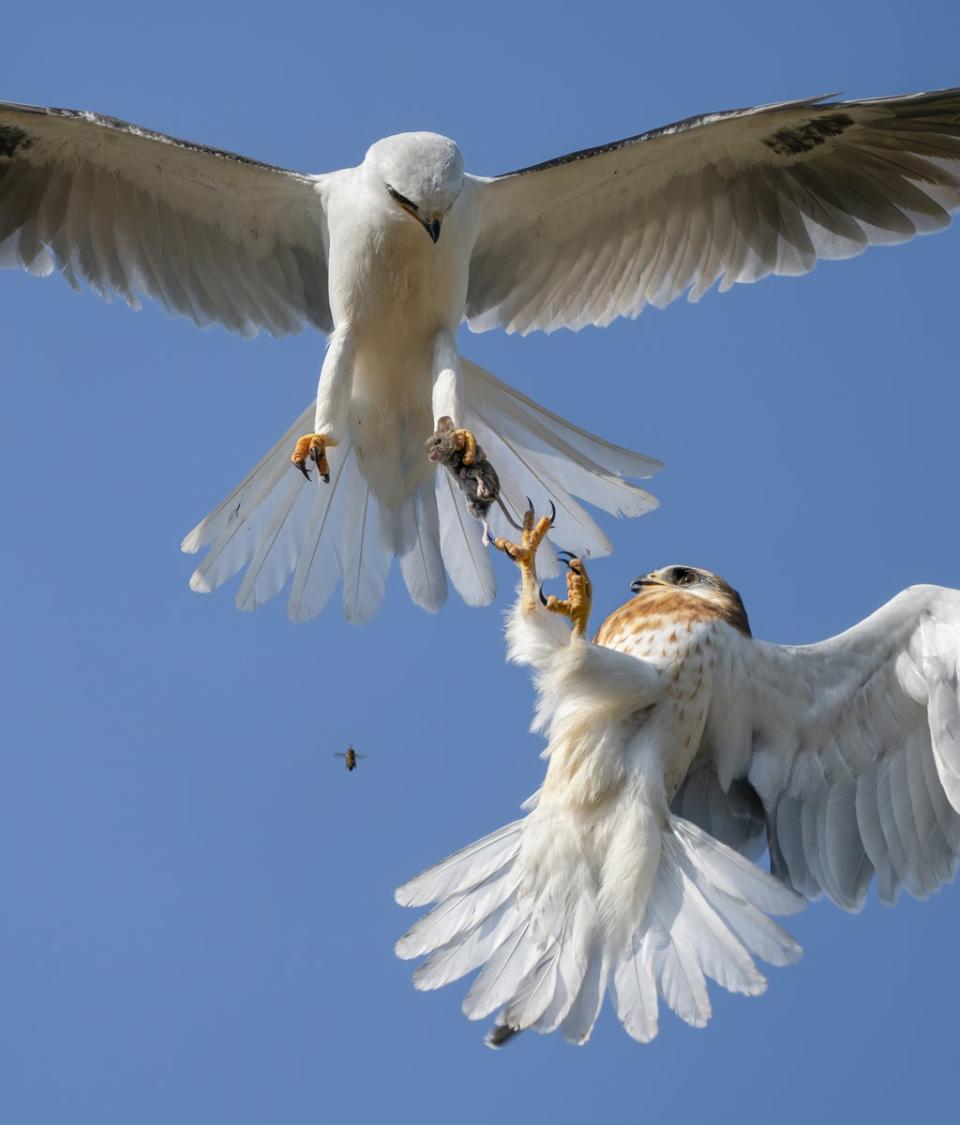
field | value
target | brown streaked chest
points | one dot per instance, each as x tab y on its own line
657	622
676	634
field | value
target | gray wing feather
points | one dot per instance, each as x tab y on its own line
215	236
727	197
849	748
733	816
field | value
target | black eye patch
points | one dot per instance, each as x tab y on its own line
401	199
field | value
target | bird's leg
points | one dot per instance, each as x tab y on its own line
579	597
313	447
524	554
333	399
448	393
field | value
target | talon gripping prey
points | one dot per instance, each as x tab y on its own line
458	451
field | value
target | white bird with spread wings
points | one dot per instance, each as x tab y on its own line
389	257
679	748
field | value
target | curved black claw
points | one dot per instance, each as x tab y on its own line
325	477
530	506
303	468
542	598
553	514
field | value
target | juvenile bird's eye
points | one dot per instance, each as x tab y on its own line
401	199
683	577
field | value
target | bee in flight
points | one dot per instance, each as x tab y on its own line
350	757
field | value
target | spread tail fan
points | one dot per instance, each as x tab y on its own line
276	524
547	953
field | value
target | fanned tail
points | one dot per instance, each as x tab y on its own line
539	455
276	525
547	952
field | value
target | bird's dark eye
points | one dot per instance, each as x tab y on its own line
683	577
401	199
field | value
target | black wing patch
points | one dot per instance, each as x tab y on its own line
12	139
803	138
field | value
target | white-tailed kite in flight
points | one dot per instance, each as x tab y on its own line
389	257
679	748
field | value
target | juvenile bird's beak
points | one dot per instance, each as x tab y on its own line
646	580
432	228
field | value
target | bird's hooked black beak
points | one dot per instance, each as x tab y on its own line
646	580
432	228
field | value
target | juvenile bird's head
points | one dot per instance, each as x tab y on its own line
692	581
421	173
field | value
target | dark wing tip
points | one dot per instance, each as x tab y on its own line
499	1034
117	124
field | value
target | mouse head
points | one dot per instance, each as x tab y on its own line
442	444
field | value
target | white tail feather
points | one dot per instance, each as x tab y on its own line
579	1020
318	568
575	936
422	564
275	524
579	446
233	528
534	994
503	973
634	992
464	556
468	951
548	954
465	869
364	562
457	914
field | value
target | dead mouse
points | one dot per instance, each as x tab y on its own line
458	451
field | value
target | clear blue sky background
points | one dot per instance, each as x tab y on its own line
197	916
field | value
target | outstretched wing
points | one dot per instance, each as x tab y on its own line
215	236
729	196
852	746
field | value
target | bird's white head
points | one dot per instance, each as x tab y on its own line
421	173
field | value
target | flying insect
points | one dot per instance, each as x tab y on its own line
350	757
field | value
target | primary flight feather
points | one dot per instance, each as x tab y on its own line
390	256
679	747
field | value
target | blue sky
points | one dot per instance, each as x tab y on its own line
197	920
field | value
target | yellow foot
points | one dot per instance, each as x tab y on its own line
579	597
524	553
465	441
313	447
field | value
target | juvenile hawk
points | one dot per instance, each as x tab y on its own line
678	748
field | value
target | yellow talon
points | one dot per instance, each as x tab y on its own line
524	554
576	606
313	447
579	597
468	443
